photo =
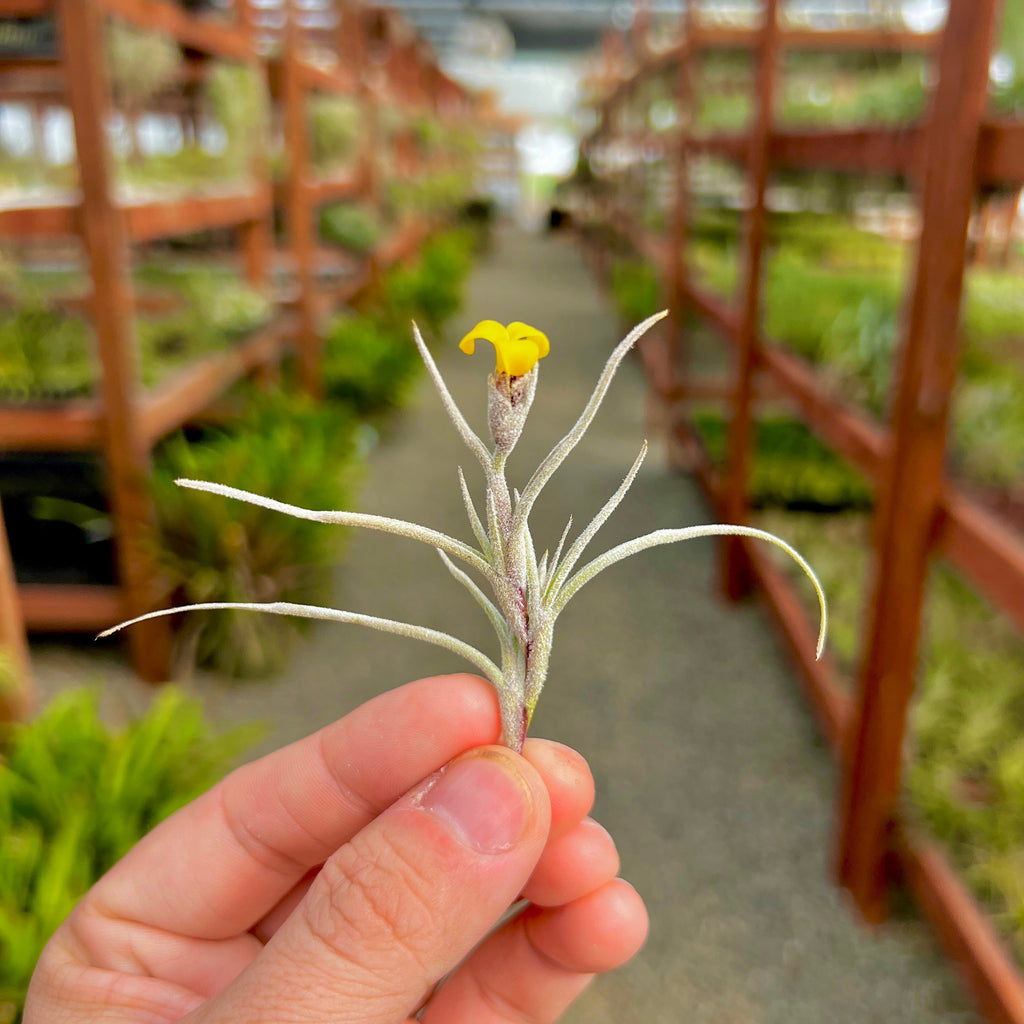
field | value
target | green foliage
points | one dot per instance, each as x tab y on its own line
1008	93
190	168
988	427
715	269
238	101
994	306
335	126
370	363
238	98
142	63
44	353
462	142
10	678
724	91
429	194
803	300
391	120
75	795
635	289
831	241
831	292
860	346
29	171
351	225
790	468
723	111
880	95
965	773
217	307
715	225
430	290
213	549
430	133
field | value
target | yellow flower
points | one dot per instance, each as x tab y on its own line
518	346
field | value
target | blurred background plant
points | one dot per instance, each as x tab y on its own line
352	226
240	104
430	289
635	289
336	123
370	363
142	64
212	549
76	794
791	467
45	353
965	753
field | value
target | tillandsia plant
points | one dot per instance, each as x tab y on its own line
528	592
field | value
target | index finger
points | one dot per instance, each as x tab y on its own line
214	868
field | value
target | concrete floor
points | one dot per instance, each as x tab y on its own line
709	771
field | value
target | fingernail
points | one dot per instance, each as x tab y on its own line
484	801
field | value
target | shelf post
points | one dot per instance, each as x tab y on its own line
256	235
912	484
18	700
737	576
676	347
299	209
353	51
106	244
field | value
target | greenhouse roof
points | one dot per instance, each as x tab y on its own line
572	26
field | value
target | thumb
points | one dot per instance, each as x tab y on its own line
403	902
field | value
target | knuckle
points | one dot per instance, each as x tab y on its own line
374	900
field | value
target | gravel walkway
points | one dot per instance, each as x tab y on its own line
709	771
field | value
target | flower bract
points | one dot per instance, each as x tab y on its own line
518	346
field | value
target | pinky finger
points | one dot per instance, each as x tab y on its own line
531	970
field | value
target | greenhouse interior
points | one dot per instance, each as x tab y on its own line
255	259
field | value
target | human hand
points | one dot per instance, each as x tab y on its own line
341	878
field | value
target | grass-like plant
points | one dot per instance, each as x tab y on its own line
142	63
216	308
430	291
238	98
352	226
635	288
895	95
212	552
368	364
965	763
790	468
988	428
335	126
44	353
430	195
75	795
528	590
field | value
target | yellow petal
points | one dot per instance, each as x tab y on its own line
517	347
517	358
489	330
518	331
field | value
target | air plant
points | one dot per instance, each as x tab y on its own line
528	592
